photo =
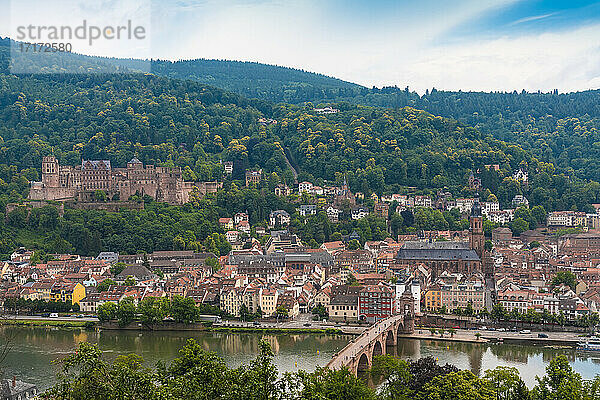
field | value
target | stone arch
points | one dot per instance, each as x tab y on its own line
399	330
390	341
363	363
377	349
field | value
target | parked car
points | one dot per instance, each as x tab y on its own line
53	315
307	324
256	323
525	332
542	335
501	330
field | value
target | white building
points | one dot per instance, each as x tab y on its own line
305	187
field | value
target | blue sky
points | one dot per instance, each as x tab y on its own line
451	44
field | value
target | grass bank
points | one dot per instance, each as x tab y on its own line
35	323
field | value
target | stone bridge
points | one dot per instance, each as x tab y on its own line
378	339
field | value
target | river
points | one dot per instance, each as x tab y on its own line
34	350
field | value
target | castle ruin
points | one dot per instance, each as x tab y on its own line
82	182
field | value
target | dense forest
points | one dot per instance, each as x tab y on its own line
172	122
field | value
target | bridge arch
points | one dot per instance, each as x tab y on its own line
377	349
363	363
399	330
390	340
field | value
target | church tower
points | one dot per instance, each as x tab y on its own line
476	235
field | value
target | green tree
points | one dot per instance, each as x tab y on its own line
507	384
559	383
518	226
396	377
106	311
117	268
126	311
353	245
183	310
153	310
105	284
195	374
564	277
325	384
462	385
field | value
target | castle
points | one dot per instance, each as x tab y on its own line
82	182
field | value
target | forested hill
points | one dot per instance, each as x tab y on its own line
184	123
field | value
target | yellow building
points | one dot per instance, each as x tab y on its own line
67	292
268	301
433	298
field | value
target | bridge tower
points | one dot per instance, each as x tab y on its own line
407	308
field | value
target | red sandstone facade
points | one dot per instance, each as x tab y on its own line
82	181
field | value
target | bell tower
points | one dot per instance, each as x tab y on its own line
476	235
50	172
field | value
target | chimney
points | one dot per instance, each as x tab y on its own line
14	382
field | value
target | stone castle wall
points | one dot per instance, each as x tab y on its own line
82	181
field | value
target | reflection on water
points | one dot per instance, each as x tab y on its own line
34	349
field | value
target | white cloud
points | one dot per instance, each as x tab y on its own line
400	48
566	61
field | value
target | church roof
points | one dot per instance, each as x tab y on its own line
437	251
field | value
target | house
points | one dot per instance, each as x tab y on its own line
279	218
239	217
108	256
226	223
323	297
381	209
307	209
343	307
326	110
520	200
232	236
282	190
333	214
268	301
67	292
244	226
305	187
253	177
138	272
231	300
288	302
228	167
375	302
359	212
433	298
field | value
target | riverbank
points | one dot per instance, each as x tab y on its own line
237	329
48	323
550	339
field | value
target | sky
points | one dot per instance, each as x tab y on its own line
447	44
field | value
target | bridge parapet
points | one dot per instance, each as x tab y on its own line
377	339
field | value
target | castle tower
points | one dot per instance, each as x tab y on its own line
50	172
476	235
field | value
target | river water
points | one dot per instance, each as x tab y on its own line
34	350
